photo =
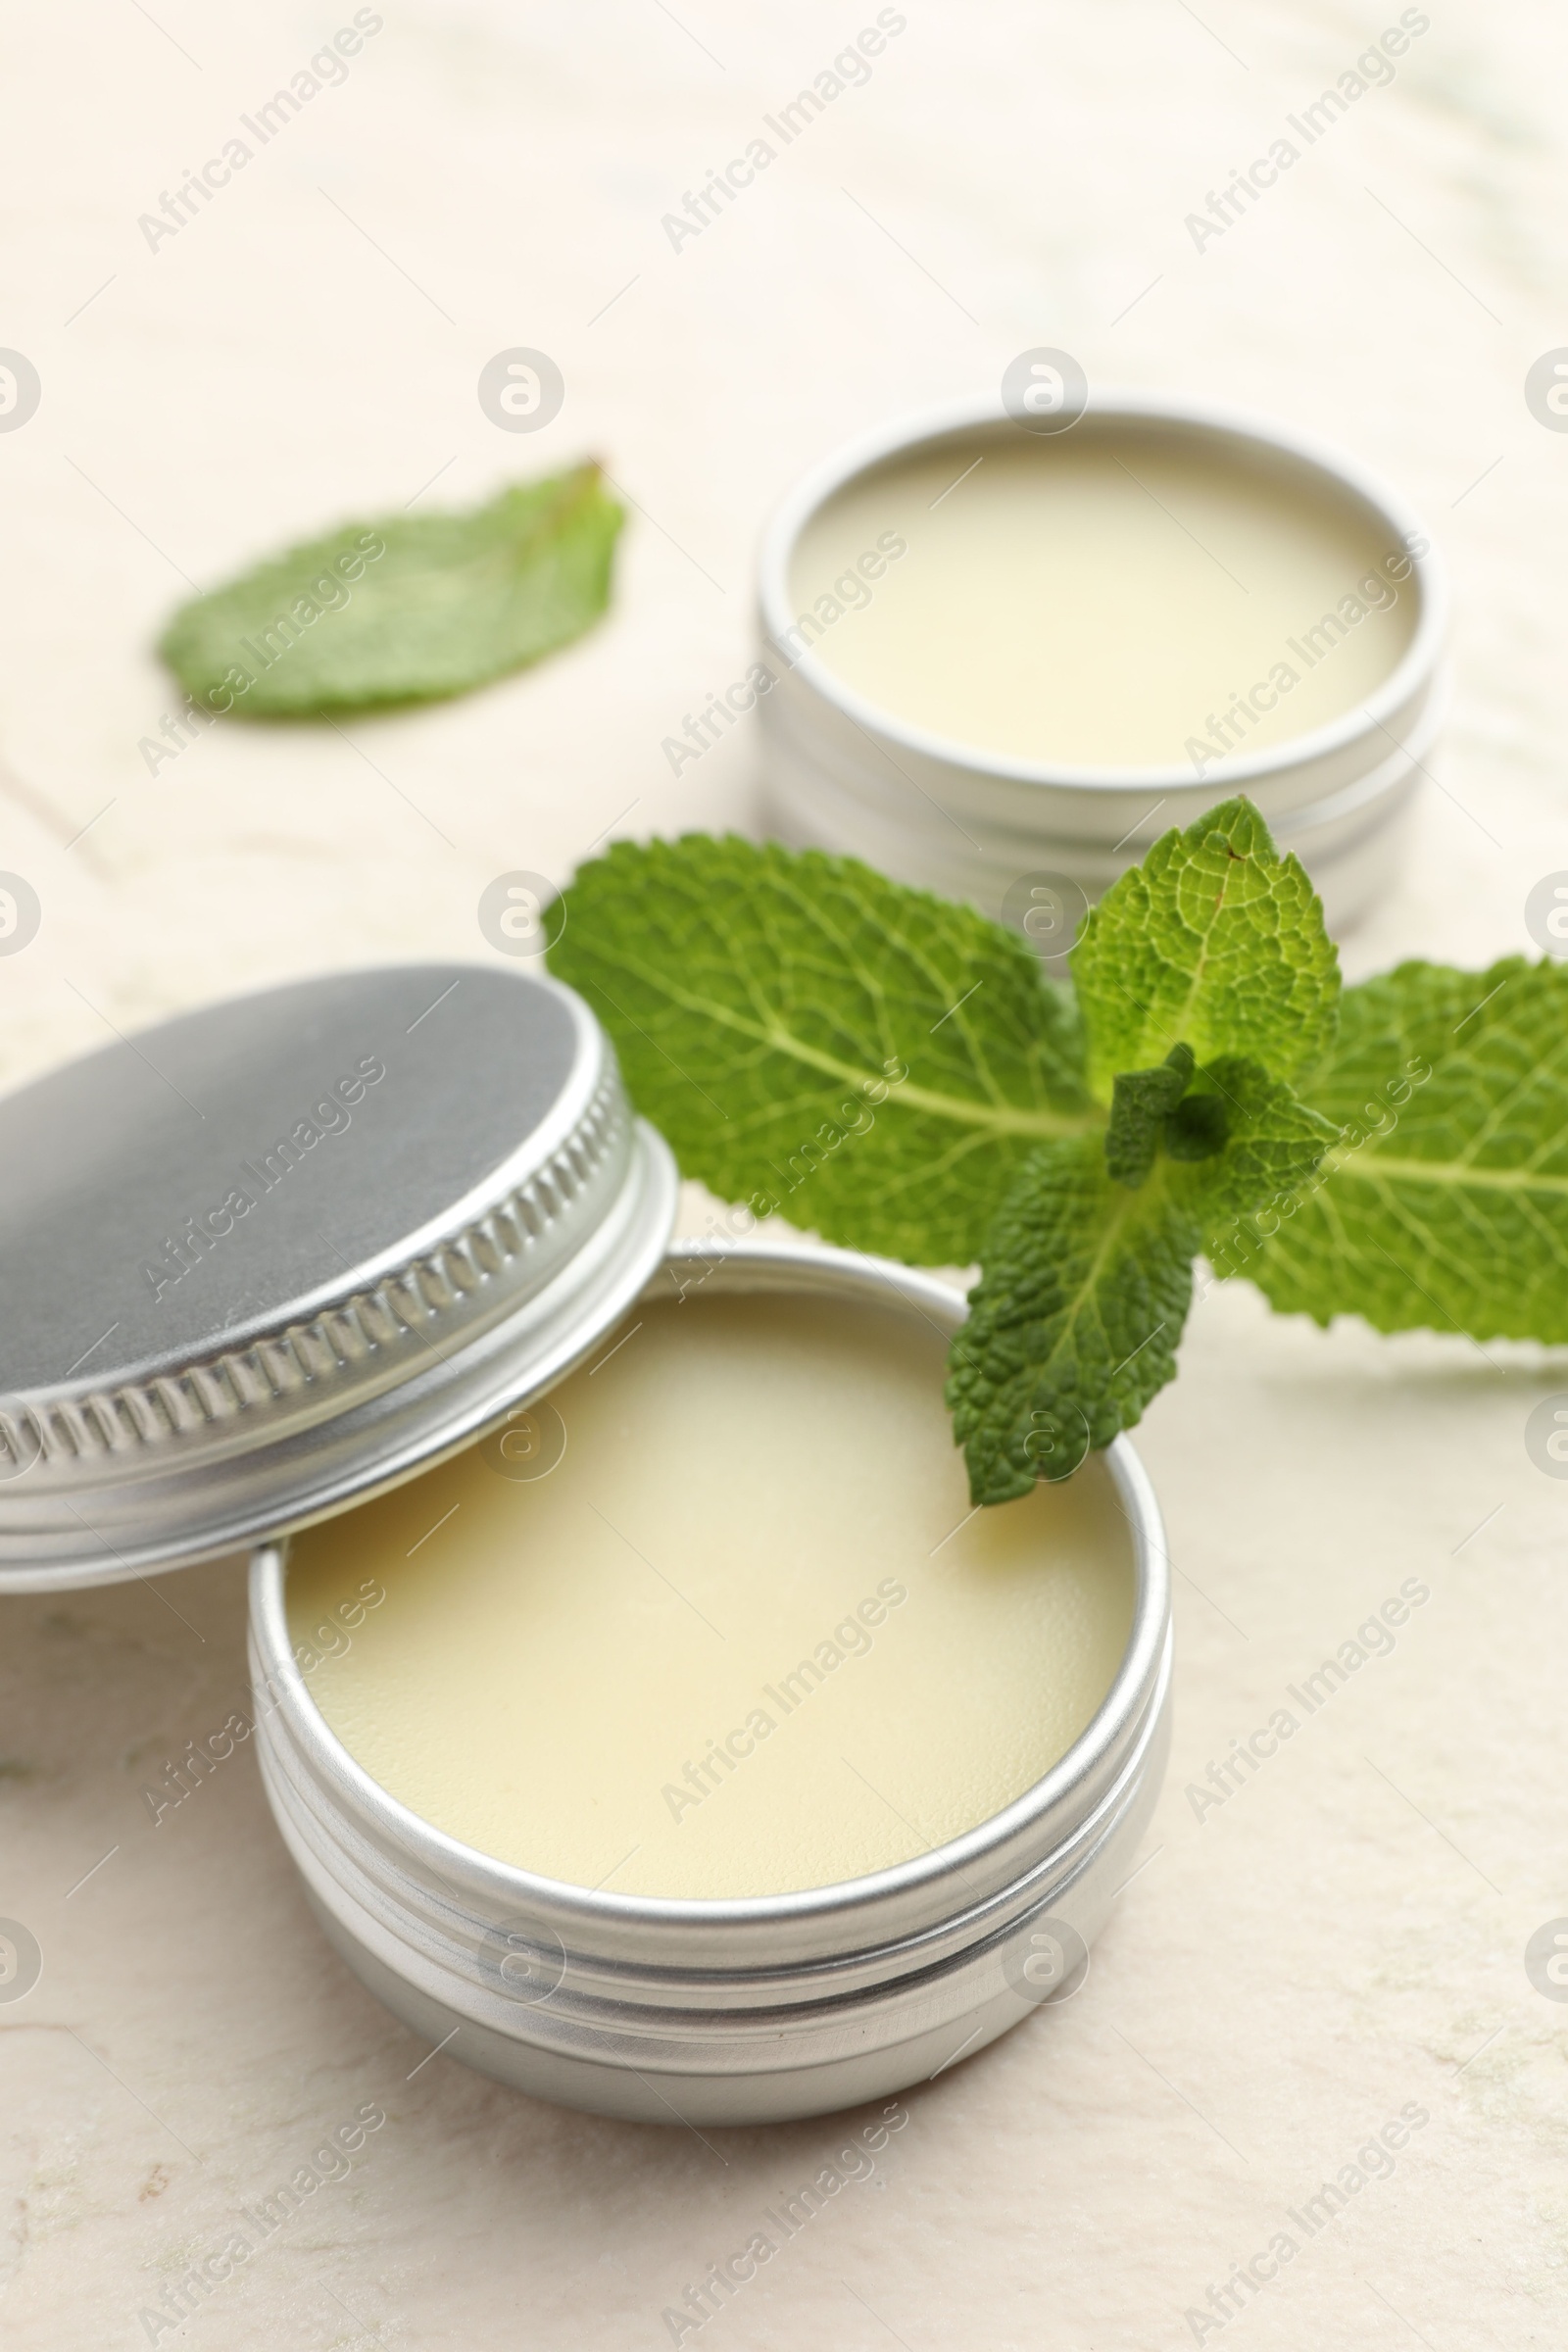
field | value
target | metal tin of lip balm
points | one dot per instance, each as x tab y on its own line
843	774
273	1256
745	2011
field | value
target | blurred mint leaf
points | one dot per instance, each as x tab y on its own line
1444	1204
1140	1101
403	610
1255	1140
1214	942
1074	1322
872	1061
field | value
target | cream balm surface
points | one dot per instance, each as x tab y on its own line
716	1619
1098	599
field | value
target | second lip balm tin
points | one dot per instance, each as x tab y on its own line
932	632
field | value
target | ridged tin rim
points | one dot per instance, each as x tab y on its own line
761	1931
923	427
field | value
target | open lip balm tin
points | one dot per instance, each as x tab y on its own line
340	1231
845	772
740	2010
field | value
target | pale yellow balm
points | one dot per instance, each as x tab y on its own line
1090	600
746	1636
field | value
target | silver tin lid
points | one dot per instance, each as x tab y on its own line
277	1255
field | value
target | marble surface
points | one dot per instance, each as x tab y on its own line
1343	1937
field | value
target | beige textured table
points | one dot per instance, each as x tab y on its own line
1341	1938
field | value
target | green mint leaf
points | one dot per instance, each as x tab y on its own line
1198	1127
1214	941
869	1061
1244	1138
1073	1325
1086	1279
403	610
1444	1204
1140	1101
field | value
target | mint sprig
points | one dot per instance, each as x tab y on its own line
403	609
898	1073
